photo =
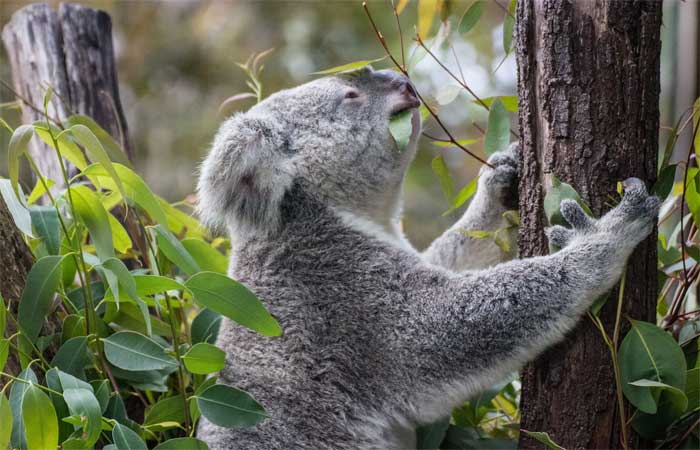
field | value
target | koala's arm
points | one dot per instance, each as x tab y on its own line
496	194
475	327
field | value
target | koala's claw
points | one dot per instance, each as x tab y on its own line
501	180
630	221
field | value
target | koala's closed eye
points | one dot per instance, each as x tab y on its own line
352	93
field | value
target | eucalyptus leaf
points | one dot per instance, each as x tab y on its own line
165	410
184	443
43	280
40	420
348	67
18	146
89	208
544	438
498	130
18	438
207	257
205	326
126	439
229	407
82	403
233	300
443	173
133	351
401	128
47	227
648	352
17	207
96	152
555	195
5	420
204	358
174	250
471	17
72	357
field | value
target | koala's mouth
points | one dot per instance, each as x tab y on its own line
408	99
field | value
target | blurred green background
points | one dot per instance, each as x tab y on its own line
176	65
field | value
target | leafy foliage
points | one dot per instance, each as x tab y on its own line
132	306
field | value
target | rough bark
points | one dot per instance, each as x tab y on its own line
16	261
588	81
70	50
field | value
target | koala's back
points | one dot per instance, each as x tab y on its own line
324	283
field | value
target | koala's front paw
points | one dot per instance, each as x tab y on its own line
501	181
629	222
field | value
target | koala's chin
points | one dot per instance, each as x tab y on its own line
379	337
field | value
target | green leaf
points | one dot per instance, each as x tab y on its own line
555	195
206	256
430	436
648	352
89	208
120	237
82	403
126	439
447	94
40	421
47	227
544	439
96	152
111	146
135	189
185	443
509	101
73	356
180	222
401	128
508	24
69	150
463	196
17	391
233	300
174	250
5	420
39	189
692	388
17	207
664	183
133	351
4	351
229	407
204	358
102	393
427	9
443	173
471	17
656	388
166	410
462	142
478	234
498	131
42	281
18	146
348	67
205	326
118	276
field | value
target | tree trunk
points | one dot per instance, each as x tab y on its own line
588	81
70	50
16	261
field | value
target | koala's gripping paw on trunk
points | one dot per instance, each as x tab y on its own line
627	224
501	181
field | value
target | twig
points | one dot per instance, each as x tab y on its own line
420	42
403	70
398	27
28	103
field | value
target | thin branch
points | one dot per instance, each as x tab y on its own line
28	103
420	42
403	70
398	26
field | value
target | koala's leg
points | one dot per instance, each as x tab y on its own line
479	326
496	194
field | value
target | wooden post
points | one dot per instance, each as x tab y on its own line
588	81
71	50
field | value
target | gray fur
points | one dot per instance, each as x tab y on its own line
378	337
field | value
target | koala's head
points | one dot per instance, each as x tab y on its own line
331	135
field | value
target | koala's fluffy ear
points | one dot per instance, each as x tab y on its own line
245	175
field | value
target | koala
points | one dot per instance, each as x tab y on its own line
378	336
